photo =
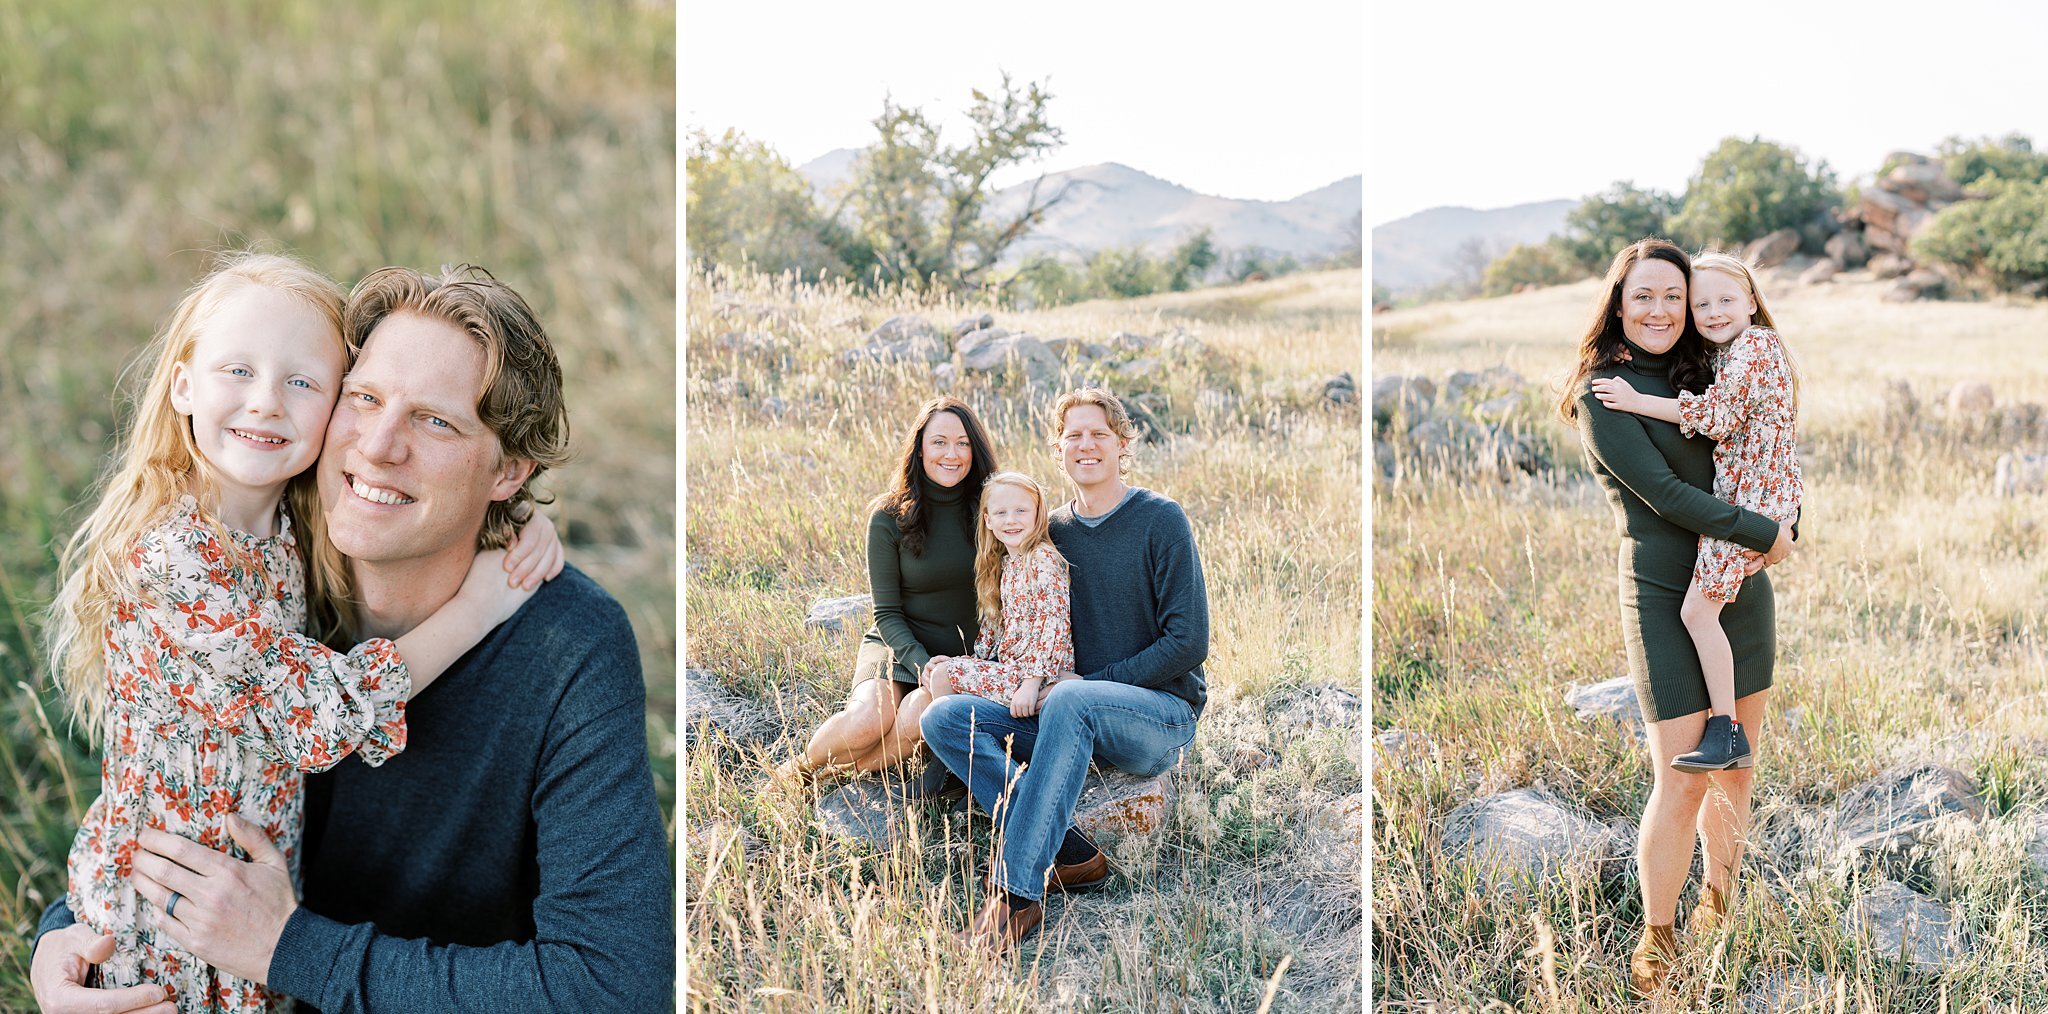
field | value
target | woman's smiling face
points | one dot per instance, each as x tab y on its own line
946	450
1653	306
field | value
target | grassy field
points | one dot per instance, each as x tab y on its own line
535	139
1910	627
780	917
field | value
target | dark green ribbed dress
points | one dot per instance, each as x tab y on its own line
924	605
1661	486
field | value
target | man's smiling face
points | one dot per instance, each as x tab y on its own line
1090	450
409	467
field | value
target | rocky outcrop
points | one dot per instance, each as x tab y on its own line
1475	424
1773	249
1611	701
1882	822
2017	473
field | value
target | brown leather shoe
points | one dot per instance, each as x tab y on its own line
1650	964
999	928
1086	875
1710	914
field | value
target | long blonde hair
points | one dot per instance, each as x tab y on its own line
989	550
155	462
1738	269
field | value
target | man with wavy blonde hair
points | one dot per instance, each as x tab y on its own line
513	857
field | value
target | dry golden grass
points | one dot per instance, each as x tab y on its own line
1910	626
1270	480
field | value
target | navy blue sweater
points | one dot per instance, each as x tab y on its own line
1141	610
513	857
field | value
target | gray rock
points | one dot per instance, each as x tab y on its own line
944	375
1459	385
969	324
903	328
1401	401
748	341
1883	820
1024	351
1929	281
978	337
2018	473
1847	249
1497	409
1771	250
1901	290
1340	389
918	349
2037	842
1787	991
1403	749
1896	921
708	706
1131	341
1139	369
775	407
1296	713
1922	183
1822	270
831	614
863	811
1609	701
1887	266
1526	835
1075	348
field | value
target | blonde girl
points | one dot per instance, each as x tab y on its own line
179	633
1752	410
1023	601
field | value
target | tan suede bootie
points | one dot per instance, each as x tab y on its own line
1651	961
1711	914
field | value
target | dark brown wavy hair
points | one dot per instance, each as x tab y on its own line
1601	347
905	499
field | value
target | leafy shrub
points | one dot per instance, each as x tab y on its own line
2011	158
2002	238
1747	189
1531	264
1613	218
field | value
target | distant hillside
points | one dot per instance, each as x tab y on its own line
1115	205
1422	249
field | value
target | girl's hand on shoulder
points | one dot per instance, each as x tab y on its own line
1615	393
1024	702
486	590
534	554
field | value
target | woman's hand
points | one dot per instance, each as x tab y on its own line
534	554
1024	702
1615	393
936	676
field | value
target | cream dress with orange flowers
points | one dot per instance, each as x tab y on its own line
1036	636
1749	410
216	704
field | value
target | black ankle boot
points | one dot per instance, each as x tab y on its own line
1722	746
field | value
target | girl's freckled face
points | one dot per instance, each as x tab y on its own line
1011	515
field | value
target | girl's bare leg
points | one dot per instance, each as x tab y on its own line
1702	618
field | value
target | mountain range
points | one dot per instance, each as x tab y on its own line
1438	244
1114	205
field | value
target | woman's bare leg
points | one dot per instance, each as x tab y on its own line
1724	818
1664	845
1702	617
903	738
858	728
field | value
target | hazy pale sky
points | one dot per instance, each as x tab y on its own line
1262	100
1499	105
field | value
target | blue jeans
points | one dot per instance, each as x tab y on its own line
1137	730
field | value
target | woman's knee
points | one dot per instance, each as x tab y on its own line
910	714
1683	789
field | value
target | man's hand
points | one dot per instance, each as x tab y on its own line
230	913
57	974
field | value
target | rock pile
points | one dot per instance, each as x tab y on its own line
1473	424
1881	227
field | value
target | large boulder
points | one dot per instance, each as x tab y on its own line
1882	821
1773	249
1401	400
1820	271
1925	183
1848	249
1022	351
1971	397
903	328
968	325
862	811
1526	835
1887	266
1117	807
2018	473
1898	922
1609	701
832	614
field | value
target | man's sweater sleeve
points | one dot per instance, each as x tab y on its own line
603	926
1182	601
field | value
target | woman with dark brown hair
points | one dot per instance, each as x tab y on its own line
1660	485
921	572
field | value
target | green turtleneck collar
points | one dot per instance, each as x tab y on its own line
938	495
1641	360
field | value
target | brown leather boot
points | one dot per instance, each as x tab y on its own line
1651	961
1711	913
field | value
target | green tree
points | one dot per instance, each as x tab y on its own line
2010	158
1189	261
745	203
2002	239
1746	189
916	206
1125	272
1045	280
1530	264
1605	222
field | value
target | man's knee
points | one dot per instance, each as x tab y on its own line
1066	696
945	715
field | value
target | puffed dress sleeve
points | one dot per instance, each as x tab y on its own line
1721	409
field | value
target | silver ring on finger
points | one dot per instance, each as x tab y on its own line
171	909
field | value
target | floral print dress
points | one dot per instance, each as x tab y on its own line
1036	635
215	705
1749	409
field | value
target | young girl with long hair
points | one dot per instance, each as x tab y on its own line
1751	408
178	634
1022	599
